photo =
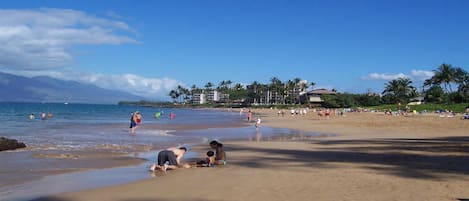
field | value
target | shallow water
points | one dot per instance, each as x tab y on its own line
83	126
77	130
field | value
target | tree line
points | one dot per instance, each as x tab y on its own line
276	92
401	90
437	89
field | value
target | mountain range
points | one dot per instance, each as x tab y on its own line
14	88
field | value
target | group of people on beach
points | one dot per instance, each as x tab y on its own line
171	158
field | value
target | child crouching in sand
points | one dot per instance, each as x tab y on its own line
208	162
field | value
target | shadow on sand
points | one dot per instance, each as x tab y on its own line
136	199
410	158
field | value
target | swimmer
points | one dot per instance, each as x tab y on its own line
172	115
31	116
43	116
157	115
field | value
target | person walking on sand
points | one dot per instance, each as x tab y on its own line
169	159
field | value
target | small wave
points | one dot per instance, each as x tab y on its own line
165	133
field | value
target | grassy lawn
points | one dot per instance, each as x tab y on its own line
430	107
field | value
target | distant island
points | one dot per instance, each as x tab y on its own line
16	88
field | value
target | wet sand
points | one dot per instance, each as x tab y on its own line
27	166
374	157
33	162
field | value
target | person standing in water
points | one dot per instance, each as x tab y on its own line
172	115
249	116
135	119
258	122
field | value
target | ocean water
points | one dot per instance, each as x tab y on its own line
86	126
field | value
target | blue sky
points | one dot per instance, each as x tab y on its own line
148	47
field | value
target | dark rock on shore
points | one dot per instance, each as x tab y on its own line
10	144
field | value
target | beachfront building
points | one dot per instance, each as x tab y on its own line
198	98
260	94
314	96
416	101
212	96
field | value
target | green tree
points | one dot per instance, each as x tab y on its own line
367	99
208	86
174	95
277	90
462	79
238	87
290	88
444	74
401	89
312	84
435	94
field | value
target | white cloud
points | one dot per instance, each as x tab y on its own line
41	39
415	75
384	76
422	74
138	85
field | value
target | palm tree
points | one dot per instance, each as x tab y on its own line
194	89
208	86
259	93
462	79
228	83
312	84
276	89
222	85
444	74
183	93
290	88
174	95
400	89
237	87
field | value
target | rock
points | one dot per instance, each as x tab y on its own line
10	144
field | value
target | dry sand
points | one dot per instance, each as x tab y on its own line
374	157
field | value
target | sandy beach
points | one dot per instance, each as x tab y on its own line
372	157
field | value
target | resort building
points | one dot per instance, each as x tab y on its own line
314	96
211	96
198	98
